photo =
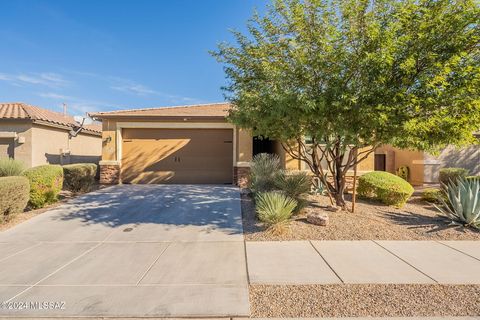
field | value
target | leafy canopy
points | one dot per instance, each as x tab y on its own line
405	73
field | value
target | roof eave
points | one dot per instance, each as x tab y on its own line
157	117
64	127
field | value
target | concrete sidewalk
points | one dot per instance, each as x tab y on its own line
363	262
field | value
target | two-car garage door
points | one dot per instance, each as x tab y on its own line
177	155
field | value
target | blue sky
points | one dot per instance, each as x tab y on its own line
107	55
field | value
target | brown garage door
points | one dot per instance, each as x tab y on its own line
177	155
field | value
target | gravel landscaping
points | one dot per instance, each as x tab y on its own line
417	220
364	300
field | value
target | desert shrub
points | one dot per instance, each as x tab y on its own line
448	175
79	177
403	172
295	185
386	187
264	172
10	167
45	184
14	194
463	202
274	208
432	194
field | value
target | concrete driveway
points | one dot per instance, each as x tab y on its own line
132	250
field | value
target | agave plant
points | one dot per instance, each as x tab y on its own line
463	202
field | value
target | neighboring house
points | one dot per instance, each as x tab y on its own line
185	144
424	168
38	136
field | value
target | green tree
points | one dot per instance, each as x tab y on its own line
354	74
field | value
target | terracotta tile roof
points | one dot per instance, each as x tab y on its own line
200	110
18	110
97	127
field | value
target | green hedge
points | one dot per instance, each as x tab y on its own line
79	177
432	194
386	187
451	174
45	184
14	194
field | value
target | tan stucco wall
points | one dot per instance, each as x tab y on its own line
22	151
424	168
287	162
85	148
468	158
368	164
451	156
414	160
48	143
43	143
109	151
244	145
293	164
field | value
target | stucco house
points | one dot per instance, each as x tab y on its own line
424	168
39	136
184	144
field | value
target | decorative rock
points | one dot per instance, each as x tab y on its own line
317	219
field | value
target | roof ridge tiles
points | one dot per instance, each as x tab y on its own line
164	107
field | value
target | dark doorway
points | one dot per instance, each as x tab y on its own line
263	145
380	162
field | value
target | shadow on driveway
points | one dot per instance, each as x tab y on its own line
151	209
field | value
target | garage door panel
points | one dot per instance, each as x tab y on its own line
177	155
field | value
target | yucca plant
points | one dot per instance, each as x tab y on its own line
264	172
295	185
274	209
463	202
10	167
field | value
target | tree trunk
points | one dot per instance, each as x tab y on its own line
339	184
340	194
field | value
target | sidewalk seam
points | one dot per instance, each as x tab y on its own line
458	250
408	263
328	264
246	261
